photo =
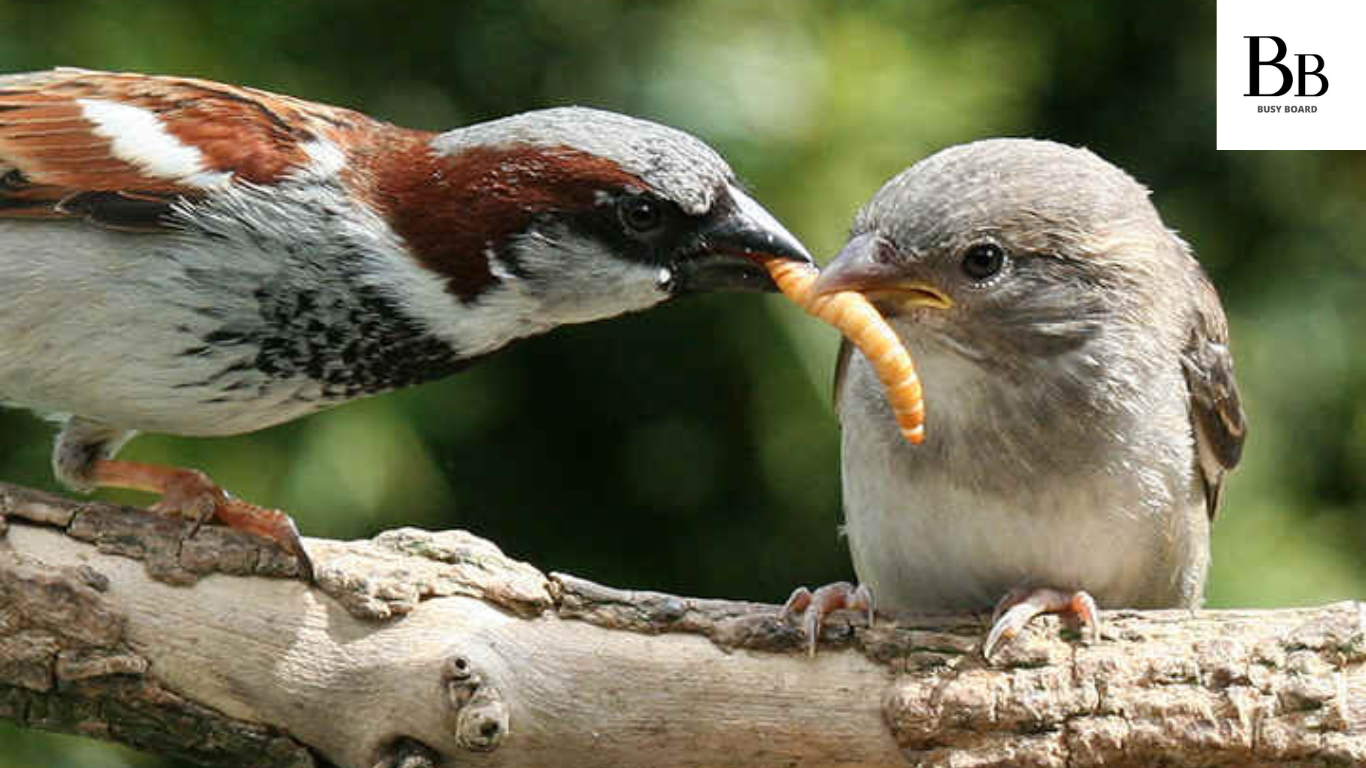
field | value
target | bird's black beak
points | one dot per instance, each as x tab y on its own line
868	265
731	244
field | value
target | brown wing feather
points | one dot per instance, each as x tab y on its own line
1216	409
52	156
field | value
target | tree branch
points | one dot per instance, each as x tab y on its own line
416	648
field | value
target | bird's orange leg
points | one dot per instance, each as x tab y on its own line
1020	606
191	494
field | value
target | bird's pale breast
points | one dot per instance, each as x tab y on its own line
1079	502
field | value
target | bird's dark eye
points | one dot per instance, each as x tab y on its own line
983	260
640	215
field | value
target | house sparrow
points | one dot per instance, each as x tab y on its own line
1082	409
193	258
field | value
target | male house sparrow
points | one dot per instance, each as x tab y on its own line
194	258
1082	409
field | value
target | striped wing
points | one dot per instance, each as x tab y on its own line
117	149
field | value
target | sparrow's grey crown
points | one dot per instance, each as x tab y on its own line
675	165
1026	185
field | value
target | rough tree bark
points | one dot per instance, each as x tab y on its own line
422	649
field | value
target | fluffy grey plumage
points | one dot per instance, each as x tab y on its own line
1081	406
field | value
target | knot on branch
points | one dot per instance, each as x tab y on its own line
409	753
480	717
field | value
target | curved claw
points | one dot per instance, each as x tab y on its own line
1020	606
270	523
815	606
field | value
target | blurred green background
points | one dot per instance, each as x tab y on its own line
692	449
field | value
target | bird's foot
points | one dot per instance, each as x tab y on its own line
191	494
815	606
1021	605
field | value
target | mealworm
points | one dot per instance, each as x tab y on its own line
860	322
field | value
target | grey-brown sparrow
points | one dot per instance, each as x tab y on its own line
1082	412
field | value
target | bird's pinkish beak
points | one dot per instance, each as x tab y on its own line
867	265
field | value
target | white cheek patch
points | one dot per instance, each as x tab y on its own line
138	137
577	280
573	281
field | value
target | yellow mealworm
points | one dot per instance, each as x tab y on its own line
860	322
